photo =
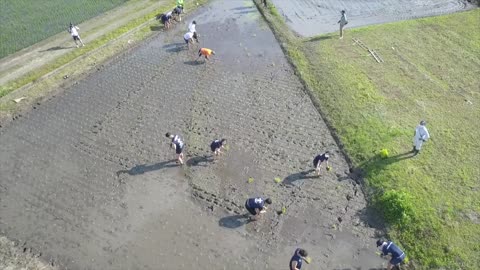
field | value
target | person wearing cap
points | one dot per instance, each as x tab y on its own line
205	52
420	136
256	206
178	144
217	145
319	159
389	248
343	21
297	259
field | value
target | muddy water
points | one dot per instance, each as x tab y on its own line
313	17
88	177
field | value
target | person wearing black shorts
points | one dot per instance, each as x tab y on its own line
178	144
256	206
166	19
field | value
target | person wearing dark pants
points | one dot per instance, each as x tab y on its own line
343	21
319	159
178	144
297	259
256	206
217	145
389	248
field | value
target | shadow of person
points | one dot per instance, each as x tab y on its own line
176	49
156	28
57	48
171	45
200	161
292	179
194	63
234	221
321	37
141	169
376	164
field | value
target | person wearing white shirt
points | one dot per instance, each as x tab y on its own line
178	144
73	30
192	27
343	21
420	136
188	37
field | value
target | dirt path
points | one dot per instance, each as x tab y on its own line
88	177
314	17
33	57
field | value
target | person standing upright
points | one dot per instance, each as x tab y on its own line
73	30
343	21
420	136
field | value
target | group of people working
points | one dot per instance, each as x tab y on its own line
258	205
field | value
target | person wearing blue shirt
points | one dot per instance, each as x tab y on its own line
319	159
389	248
297	259
217	145
256	206
178	144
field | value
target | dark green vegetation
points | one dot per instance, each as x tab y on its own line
26	22
431	203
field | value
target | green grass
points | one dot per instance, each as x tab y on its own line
95	44
26	22
431	72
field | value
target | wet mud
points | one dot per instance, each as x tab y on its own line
88	177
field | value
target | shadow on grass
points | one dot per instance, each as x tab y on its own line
293	178
201	161
319	38
377	163
141	169
235	221
156	27
371	215
57	48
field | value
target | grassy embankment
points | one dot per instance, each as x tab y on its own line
97	51
431	203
